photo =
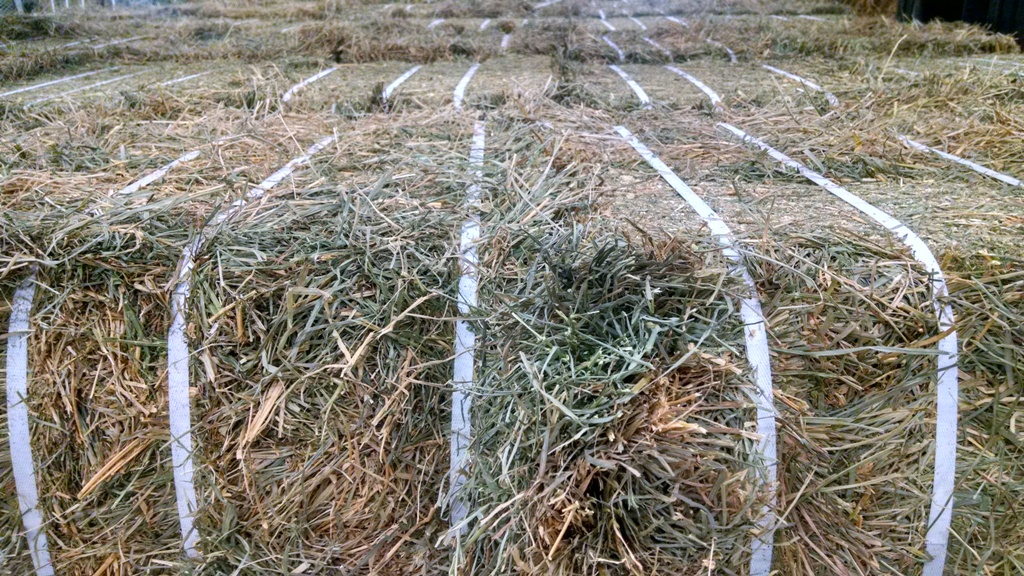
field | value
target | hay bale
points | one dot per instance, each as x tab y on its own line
338	457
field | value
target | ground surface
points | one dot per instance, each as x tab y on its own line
321	316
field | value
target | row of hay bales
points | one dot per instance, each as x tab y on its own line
322	331
1006	16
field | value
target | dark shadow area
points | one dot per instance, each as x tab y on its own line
1006	16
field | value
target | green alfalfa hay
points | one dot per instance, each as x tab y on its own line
616	426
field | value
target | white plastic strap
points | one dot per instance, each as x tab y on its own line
756	340
58	81
658	47
116	42
158	173
179	408
947	386
504	42
638	23
273	180
485	24
614	46
183	79
716	101
832	100
390	89
815	18
465	345
679	21
18	430
291	91
995	60
963	161
460	88
906	72
286	170
645	100
81	88
435	23
1006	66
